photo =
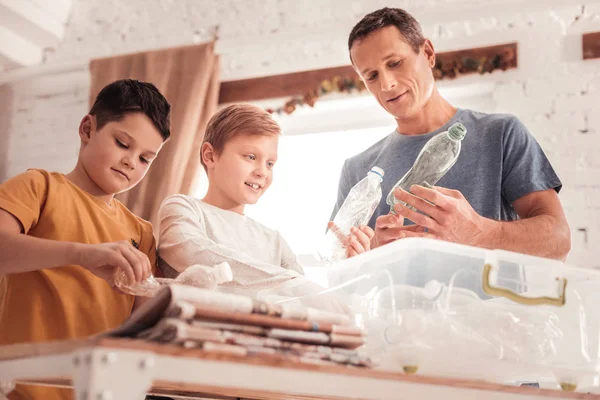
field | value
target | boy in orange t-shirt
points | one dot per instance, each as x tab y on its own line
64	237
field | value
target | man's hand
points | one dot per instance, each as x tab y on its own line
445	213
358	242
390	227
106	259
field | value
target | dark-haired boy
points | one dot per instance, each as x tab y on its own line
63	237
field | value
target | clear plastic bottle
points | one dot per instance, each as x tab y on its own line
357	209
205	277
196	275
435	159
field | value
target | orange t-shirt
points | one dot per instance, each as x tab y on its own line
64	302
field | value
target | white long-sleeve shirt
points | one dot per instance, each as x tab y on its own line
193	232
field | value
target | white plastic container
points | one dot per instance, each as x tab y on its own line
436	308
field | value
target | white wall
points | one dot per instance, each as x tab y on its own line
554	92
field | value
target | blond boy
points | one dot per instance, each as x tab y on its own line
239	153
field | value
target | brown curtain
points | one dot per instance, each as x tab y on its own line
189	78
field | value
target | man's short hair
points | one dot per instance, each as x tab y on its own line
406	24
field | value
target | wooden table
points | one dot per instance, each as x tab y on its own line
114	369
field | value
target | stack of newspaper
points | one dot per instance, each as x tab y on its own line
235	324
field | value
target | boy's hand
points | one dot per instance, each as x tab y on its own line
106	259
359	240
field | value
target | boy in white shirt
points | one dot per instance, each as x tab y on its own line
238	153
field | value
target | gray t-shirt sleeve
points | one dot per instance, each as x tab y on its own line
526	168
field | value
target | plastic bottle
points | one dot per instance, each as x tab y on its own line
197	275
435	159
357	209
206	277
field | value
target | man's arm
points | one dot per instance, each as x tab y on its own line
22	253
542	230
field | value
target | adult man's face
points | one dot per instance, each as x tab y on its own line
400	79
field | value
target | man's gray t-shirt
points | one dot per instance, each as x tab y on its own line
499	162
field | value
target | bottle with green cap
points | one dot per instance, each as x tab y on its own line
433	162
357	210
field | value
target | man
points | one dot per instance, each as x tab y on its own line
502	193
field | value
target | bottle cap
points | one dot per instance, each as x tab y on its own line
222	273
457	131
378	171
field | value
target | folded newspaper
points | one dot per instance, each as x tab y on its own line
236	324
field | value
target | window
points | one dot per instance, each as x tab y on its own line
304	190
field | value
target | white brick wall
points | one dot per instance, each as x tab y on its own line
554	92
41	127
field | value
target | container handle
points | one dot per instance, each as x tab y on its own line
517	298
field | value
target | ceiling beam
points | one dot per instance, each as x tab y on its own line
591	45
31	22
299	83
19	50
